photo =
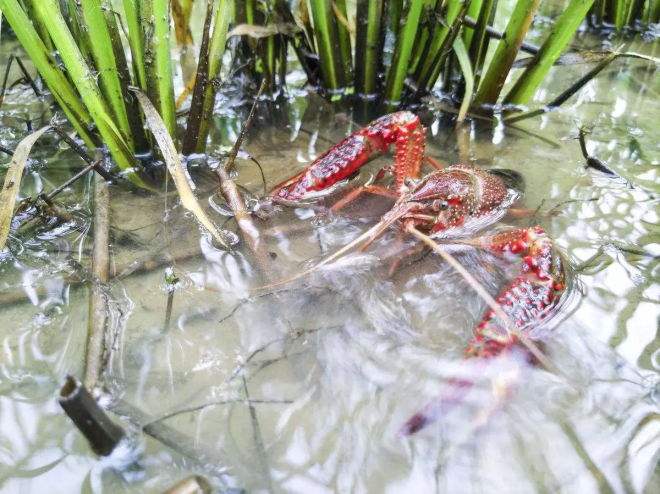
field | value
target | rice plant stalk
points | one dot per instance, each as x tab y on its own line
431	10
444	60
480	40
223	16
473	12
107	66
300	43
201	81
136	41
328	46
404	44
155	20
59	85
561	34
368	46
435	52
341	21
85	82
505	54
39	23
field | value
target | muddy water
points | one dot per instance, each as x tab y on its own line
305	388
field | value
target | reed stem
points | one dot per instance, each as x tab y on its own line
505	54
561	34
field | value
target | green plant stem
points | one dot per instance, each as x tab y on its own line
327	44
436	51
473	12
344	36
59	85
136	41
505	54
223	16
85	82
107	66
480	39
561	34
368	46
404	44
155	19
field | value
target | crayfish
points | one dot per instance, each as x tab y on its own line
450	203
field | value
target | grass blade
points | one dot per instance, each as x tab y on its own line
175	167
468	76
561	34
505	54
13	182
435	51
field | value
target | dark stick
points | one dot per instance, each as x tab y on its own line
258	439
80	151
494	33
4	79
6	151
102	434
592	161
173	439
197	102
28	77
93	166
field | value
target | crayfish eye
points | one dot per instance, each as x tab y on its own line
440	205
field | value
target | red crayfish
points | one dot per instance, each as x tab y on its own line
448	203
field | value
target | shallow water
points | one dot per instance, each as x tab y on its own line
305	389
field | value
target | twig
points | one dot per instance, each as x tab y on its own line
201	80
80	151
173	439
102	433
592	161
229	164
248	229
494	33
30	81
97	319
258	438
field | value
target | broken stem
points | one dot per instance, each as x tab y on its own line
249	231
102	433
97	319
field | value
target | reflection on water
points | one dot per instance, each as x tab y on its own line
306	388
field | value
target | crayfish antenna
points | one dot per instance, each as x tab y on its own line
367	238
